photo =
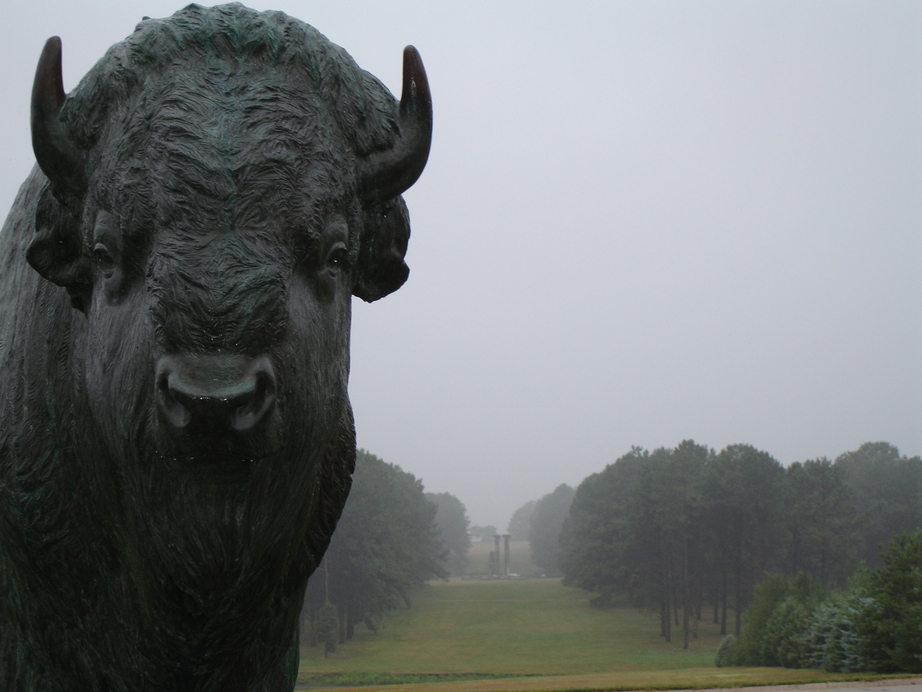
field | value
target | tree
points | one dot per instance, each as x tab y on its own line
888	494
518	525
664	534
385	544
451	518
328	629
821	522
593	536
742	501
544	528
891	625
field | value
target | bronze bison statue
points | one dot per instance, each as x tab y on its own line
176	439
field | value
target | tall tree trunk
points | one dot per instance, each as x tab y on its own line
739	606
717	606
684	589
738	584
667	607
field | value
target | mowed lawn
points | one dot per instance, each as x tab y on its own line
534	626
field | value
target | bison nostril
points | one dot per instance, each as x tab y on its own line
249	409
175	413
209	394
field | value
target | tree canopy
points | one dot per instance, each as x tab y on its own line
887	491
451	518
518	525
544	528
385	544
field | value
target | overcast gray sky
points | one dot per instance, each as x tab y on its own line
641	222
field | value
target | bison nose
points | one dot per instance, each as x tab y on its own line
214	393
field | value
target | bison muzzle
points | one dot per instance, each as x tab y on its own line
176	439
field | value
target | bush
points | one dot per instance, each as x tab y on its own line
746	651
831	640
722	659
774	623
782	639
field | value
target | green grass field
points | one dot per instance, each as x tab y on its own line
534	627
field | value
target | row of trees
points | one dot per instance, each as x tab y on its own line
874	625
386	543
686	528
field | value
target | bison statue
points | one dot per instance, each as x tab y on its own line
176	439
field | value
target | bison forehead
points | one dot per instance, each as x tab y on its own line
224	51
225	129
224	156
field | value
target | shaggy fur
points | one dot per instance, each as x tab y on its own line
217	215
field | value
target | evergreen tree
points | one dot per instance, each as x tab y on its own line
451	518
518	525
664	534
544	528
821	522
742	500
891	625
888	494
385	544
593	537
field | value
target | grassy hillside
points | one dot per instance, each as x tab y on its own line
532	627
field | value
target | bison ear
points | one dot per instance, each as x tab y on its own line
55	251
381	269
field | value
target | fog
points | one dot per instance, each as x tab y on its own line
641	222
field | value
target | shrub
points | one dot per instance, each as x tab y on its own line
722	659
774	623
831	640
781	640
746	650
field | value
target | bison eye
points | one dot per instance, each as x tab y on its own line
338	256
103	258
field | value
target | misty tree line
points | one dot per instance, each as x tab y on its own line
691	532
681	530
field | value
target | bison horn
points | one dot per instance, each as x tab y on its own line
384	175
58	157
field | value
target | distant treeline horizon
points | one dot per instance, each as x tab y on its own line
687	531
